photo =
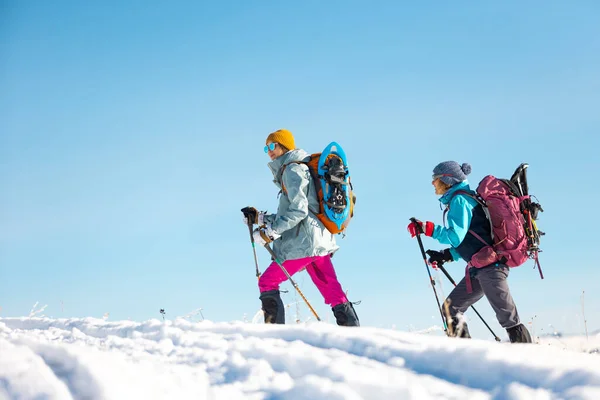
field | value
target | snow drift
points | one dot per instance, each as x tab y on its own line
44	358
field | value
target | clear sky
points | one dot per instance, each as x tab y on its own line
132	134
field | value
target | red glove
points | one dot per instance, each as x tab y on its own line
419	227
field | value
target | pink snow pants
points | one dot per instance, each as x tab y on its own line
320	270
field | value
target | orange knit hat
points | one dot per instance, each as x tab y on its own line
283	137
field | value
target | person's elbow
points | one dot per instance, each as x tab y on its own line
455	238
300	213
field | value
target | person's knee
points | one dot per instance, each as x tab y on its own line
264	285
268	281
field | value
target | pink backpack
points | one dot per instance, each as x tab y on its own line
512	216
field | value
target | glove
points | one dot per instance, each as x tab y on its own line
415	228
264	235
438	258
253	216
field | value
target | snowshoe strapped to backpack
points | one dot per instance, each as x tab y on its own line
330	174
512	216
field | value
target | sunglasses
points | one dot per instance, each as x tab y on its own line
436	176
270	146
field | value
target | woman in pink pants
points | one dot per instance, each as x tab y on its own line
299	239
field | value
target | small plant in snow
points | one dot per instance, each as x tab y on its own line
190	316
34	312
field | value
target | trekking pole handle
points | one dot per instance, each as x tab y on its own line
417	224
419	232
247	215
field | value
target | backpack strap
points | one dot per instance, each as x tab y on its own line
283	189
483	205
469	194
472	232
280	175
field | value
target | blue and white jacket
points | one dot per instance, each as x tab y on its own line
464	214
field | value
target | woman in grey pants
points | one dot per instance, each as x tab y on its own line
468	228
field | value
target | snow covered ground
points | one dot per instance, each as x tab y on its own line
44	358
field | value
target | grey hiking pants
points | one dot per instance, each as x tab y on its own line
491	282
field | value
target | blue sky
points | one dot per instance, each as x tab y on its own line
131	135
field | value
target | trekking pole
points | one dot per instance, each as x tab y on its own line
291	280
254	250
252	241
473	307
419	231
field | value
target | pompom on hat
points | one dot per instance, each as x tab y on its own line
450	172
283	137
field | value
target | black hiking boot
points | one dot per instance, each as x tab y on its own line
345	315
458	328
519	334
272	307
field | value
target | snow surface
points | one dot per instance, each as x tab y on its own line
45	358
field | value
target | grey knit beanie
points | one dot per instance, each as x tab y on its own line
450	172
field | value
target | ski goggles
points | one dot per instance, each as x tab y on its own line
437	176
270	146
